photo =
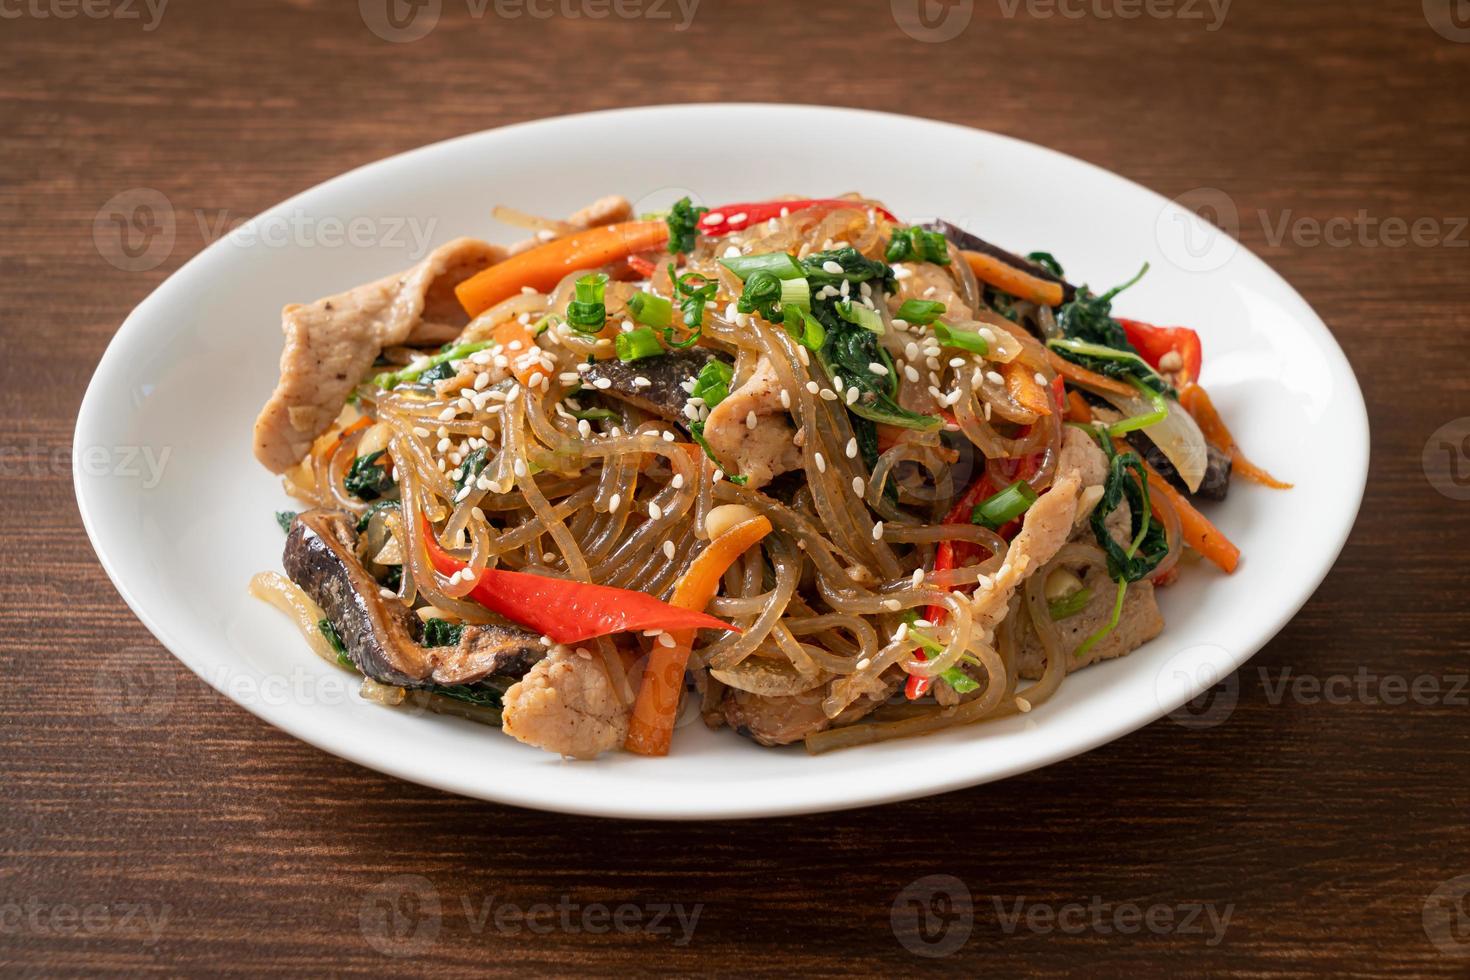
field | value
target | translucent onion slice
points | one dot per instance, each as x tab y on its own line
1178	437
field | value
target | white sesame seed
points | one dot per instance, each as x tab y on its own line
515	345
612	504
602	384
655	511
520	467
918	578
714	218
447	414
421	432
901	632
828	394
813	387
584	428
857	485
835	268
910	373
669	550
852	395
750	420
1040	379
957	362
678	481
892	605
1023	705
994	377
666	640
718	476
785	398
877	368
641	382
821	463
852	448
732	252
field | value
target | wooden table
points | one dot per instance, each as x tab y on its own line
1330	833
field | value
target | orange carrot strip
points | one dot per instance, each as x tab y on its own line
1078	409
510	332
1197	403
1077	374
1023	388
1009	279
1199	533
652	726
361	423
544	266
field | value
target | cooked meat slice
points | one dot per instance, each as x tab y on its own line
486	651
764	451
783	720
1044	529
665	395
381	635
603	211
1139	622
1082	456
331	344
567	704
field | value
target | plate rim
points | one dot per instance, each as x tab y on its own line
620	808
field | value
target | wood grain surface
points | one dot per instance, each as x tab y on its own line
1333	835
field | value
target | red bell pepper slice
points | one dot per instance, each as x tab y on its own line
567	612
1154	342
736	217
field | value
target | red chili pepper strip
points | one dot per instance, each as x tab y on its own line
640	263
568	612
1154	342
735	217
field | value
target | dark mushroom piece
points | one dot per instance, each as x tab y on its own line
664	395
381	635
974	243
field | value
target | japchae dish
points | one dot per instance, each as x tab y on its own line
794	467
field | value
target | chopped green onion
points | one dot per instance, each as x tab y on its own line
779	264
459	352
587	312
996	511
804	328
860	315
594	414
796	292
650	309
1160	412
962	339
634	345
920	311
541	325
962	682
692	291
1107	627
1070	605
712	384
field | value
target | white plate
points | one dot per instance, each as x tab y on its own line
194	362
